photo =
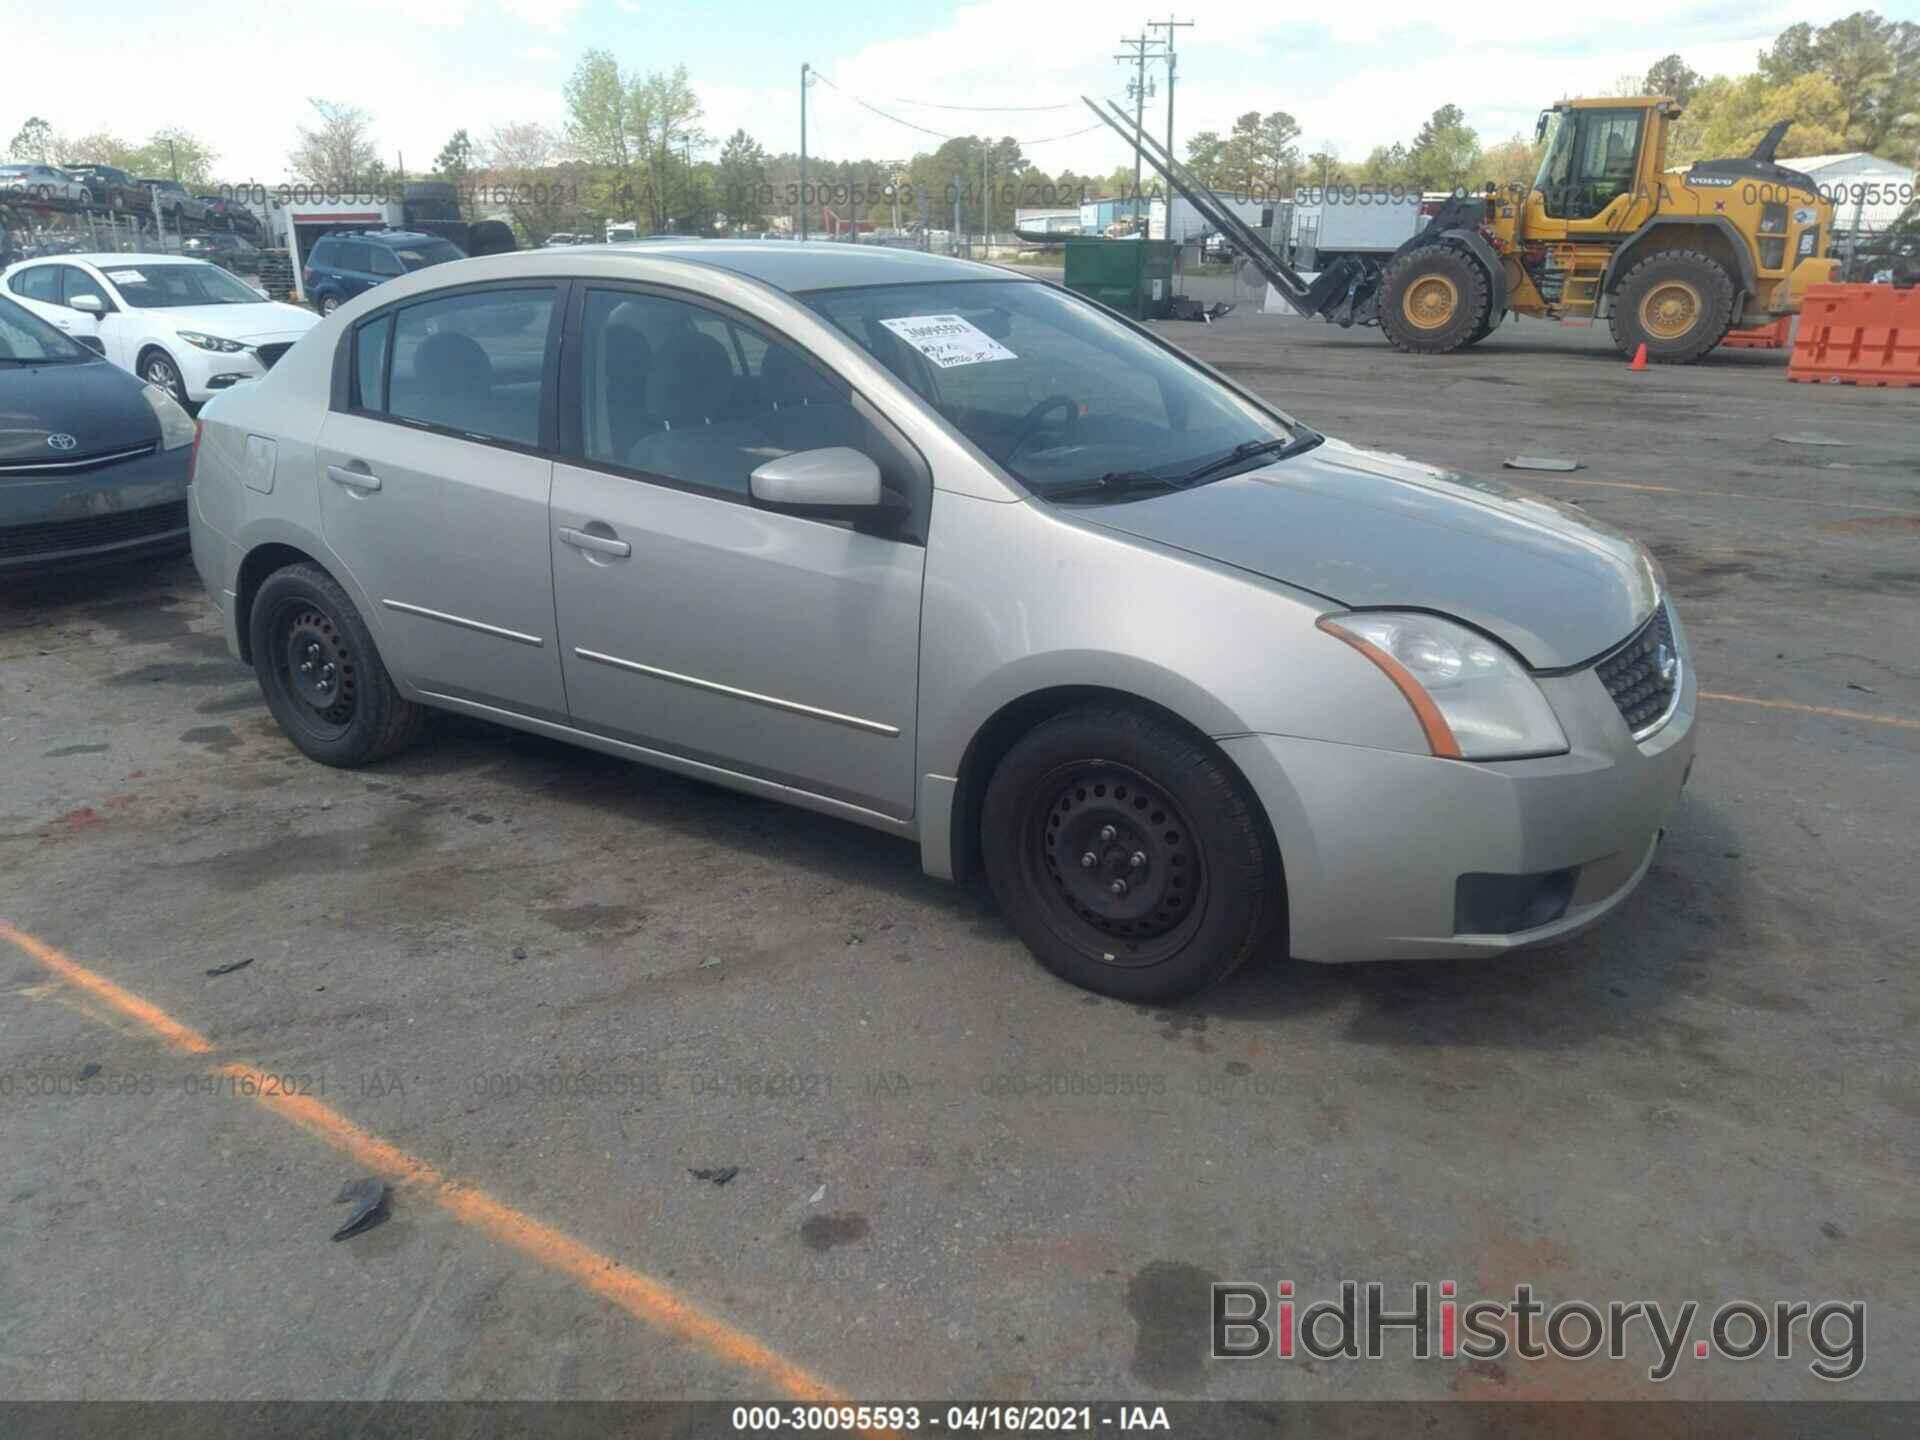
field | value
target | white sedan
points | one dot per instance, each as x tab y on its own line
187	326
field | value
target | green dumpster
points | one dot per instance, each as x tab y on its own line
1135	277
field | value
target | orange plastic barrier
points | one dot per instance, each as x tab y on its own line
1858	335
1762	337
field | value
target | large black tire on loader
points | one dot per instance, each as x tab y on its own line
1434	300
1678	303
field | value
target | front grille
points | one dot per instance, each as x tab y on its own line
270	354
1643	674
64	465
117	527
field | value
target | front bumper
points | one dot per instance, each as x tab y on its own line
1374	842
206	373
119	511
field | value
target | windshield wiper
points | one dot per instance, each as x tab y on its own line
1285	446
1114	482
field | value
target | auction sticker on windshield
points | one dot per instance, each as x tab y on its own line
126	277
948	340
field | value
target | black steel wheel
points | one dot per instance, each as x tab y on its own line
1129	855
1114	853
321	675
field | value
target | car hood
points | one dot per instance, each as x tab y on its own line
1369	529
98	404
270	320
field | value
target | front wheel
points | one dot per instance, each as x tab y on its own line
1129	856
321	675
157	369
1434	300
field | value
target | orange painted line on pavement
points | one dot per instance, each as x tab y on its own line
1721	494
1827	710
639	1294
125	1001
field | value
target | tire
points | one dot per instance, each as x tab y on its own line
157	368
345	710
1678	303
86	196
1164	814
1435	300
1487	327
329	304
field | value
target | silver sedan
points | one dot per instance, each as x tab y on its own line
958	555
44	182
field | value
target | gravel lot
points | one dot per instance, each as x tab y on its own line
561	982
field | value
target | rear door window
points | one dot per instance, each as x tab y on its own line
75	282
473	363
40	282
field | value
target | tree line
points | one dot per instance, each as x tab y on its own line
634	146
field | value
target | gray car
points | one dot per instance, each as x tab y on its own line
958	555
93	462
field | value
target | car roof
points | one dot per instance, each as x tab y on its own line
103	259
784	264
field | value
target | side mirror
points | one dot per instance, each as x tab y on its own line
88	305
834	478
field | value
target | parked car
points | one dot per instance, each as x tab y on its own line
177	203
233	214
93	463
224	248
44	182
185	325
346	263
964	557
111	186
562	239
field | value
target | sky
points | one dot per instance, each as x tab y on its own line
240	76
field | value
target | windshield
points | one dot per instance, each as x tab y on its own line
1053	389
426	252
1556	160
169	287
27	339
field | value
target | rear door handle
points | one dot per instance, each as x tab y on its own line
599	544
353	479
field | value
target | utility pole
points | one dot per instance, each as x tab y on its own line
1170	25
173	160
805	70
1138	89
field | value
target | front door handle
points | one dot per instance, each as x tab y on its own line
599	544
353	479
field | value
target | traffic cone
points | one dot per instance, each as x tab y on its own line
1639	358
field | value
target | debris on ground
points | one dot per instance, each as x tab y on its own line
1863	689
89	1070
229	969
369	1200
1539	462
1809	438
709	962
519	952
719	1175
817	1196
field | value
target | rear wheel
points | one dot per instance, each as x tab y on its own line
321	675
329	304
1678	303
1128	855
1434	300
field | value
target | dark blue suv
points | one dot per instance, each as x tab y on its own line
344	263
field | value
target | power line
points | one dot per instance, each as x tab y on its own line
937	105
943	135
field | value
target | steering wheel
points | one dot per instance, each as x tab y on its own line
1030	425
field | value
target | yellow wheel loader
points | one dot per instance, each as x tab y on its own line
1670	260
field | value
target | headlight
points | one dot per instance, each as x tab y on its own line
1474	701
176	426
210	342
